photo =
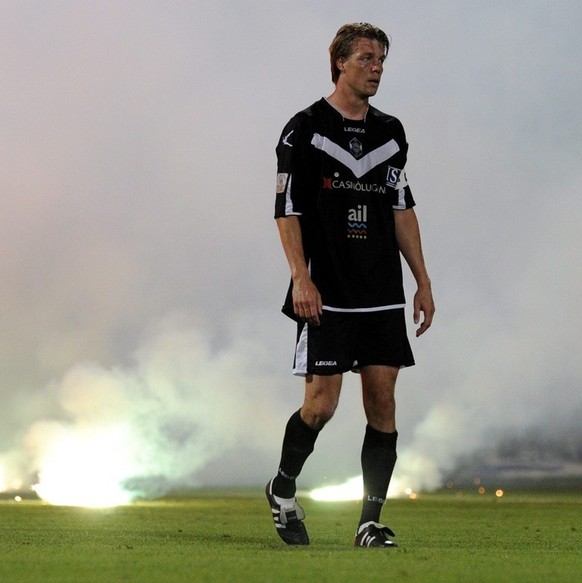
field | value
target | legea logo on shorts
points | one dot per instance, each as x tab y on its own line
326	363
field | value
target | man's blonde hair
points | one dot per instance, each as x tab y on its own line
345	38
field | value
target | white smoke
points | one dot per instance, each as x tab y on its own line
128	188
146	428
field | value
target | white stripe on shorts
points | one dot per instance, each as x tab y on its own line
300	367
364	310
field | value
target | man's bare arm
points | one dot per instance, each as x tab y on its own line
306	298
408	238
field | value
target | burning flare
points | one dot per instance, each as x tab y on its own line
85	468
353	489
415	472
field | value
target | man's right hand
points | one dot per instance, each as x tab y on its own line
307	301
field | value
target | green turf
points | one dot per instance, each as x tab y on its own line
469	538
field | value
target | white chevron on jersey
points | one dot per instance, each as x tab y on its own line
364	164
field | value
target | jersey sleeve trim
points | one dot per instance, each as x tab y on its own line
405	200
284	203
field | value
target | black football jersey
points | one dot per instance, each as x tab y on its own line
344	179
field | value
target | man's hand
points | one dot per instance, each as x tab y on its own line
423	302
408	238
307	301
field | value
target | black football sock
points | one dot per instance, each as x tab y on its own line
378	461
298	443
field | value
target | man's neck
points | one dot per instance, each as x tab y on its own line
350	106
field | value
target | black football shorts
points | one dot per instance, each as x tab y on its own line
350	341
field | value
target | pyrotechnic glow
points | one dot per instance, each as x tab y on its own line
414	473
86	468
411	493
3	486
352	489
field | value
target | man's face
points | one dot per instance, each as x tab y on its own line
362	70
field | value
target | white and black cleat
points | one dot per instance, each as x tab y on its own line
288	521
374	535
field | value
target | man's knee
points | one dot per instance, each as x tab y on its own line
380	401
378	385
321	400
316	415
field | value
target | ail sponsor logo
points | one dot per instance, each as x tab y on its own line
359	214
358	222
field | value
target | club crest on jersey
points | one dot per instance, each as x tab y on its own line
393	176
358	222
356	147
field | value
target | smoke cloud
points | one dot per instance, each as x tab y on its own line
151	426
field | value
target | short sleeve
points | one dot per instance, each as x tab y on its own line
396	176
291	168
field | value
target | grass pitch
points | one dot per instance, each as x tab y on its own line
213	537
